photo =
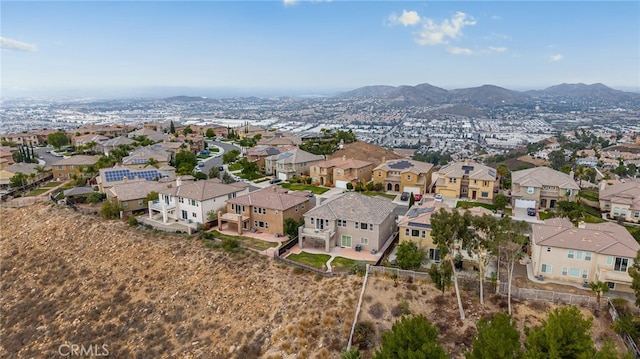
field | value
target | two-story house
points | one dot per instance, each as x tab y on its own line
152	135
349	220
29	169
468	180
295	162
258	153
621	200
192	201
109	145
67	167
264	210
109	177
132	194
404	175
590	252
340	171
141	157
541	187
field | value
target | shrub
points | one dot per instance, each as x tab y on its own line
364	335
133	221
376	310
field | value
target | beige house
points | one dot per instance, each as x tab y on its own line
587	253
24	139
113	143
541	187
340	171
468	180
29	169
67	167
139	158
621	200
259	153
264	210
154	136
132	194
349	220
404	175
278	139
109	177
295	162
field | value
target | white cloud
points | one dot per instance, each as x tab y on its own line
459	50
407	18
556	58
492	49
9	44
433	33
289	2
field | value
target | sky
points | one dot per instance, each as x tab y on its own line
317	45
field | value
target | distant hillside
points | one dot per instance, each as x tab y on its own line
365	151
187	99
487	95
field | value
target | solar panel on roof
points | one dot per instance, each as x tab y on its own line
400	165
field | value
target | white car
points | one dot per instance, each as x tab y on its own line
438	197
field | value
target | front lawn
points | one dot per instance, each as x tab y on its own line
635	232
590	195
246	241
380	194
51	184
303	187
250	176
466	204
313	260
36	192
235	167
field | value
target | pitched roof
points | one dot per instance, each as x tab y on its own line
603	238
474	170
204	189
143	154
353	206
136	189
543	176
77	160
630	189
26	168
344	163
272	197
295	155
405	165
116	141
150	134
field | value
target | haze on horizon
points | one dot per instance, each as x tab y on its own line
313	47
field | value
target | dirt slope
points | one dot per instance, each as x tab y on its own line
73	279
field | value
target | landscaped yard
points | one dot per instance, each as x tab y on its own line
247	241
463	204
235	167
310	259
50	184
591	195
250	176
36	192
380	194
304	187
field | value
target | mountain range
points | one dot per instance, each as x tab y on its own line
490	95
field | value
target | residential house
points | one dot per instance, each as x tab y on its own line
264	210
249	131
259	153
104	130
340	171
621	200
404	175
29	169
278	138
132	194
88	140
295	162
541	187
109	177
152	135
192	201
24	139
43	135
6	153
139	158
109	145
467	180
349	220
590	161
588	253
67	167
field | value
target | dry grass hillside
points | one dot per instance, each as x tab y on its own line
73	279
364	151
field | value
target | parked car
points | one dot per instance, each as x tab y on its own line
438	197
404	196
275	180
531	211
220	168
200	163
417	197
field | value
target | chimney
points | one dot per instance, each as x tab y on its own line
571	174
178	181
384	159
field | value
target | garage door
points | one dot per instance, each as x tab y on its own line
414	190
282	176
341	184
525	203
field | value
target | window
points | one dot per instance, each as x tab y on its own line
611	285
180	199
636	214
484	194
621	264
485	183
363	226
434	255
623	212
415	233
364	241
585	274
531	190
574	272
564	271
371	227
342	223
616	211
570	254
140	202
406	232
579	254
587	256
125	204
303	206
311	220
423	234
379	173
452	180
546	268
408	177
548	249
345	241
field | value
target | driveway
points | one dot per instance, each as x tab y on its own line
212	162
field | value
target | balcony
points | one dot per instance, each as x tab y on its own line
607	275
157	205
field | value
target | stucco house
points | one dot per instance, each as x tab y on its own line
140	157
404	175
541	187
340	171
191	201
467	179
132	194
621	200
68	167
350	220
264	210
295	162
590	252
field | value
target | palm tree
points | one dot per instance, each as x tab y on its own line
599	288
503	171
580	173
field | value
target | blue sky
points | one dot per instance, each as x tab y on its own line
319	45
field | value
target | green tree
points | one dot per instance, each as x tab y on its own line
411	337
409	256
481	244
187	130
111	209
412	200
557	159
496	339
500	201
58	139
95	197
185	162
151	196
209	133
290	227
509	240
353	353
447	230
599	288
19	180
214	172
634	272
230	156
566	334
441	275
504	175
212	215
172	127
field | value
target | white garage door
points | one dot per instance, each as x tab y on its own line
282	176
525	203
414	190
341	184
